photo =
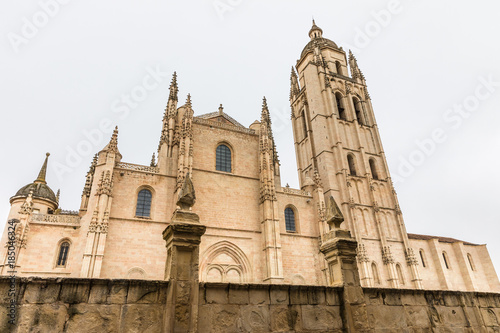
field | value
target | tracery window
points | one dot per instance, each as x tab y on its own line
62	257
143	208
223	158
290	220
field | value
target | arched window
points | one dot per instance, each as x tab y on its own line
422	257
289	220
143	208
373	168
376	276
445	258
338	67
340	106
62	257
357	109
304	123
223	158
352	165
471	263
401	278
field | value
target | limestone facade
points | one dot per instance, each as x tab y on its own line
247	239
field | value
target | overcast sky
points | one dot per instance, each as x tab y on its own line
432	69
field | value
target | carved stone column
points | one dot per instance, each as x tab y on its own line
339	249
182	238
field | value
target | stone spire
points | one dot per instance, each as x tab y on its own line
153	160
174	89
355	71
168	132
266	118
294	84
112	146
43	171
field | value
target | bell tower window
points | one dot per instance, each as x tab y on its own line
352	165
340	106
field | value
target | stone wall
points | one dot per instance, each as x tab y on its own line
84	305
98	305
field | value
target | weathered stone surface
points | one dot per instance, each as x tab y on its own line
99	293
139	318
216	294
142	293
42	293
43	318
298	295
118	293
284	318
316	295
93	318
255	318
279	295
96	306
259	295
417	317
238	294
332	296
389	317
319	317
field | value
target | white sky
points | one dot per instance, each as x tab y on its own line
419	61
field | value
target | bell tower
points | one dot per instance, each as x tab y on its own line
336	139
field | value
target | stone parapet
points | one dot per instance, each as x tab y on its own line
101	305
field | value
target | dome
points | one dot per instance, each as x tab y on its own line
40	190
39	187
320	42
317	40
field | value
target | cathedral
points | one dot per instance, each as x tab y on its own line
257	231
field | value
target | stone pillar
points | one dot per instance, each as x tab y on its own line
183	238
339	249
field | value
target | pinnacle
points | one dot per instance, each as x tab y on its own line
43	171
173	87
264	103
188	100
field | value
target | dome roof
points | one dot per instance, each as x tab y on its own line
39	187
317	40
320	42
40	190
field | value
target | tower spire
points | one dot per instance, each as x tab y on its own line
294	84
174	89
43	171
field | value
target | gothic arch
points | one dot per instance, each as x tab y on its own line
240	262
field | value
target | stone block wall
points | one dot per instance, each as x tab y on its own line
52	305
99	305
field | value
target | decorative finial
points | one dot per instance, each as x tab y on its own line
58	195
173	87
188	100
43	171
333	214
113	143
153	160
264	103
221	109
187	196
